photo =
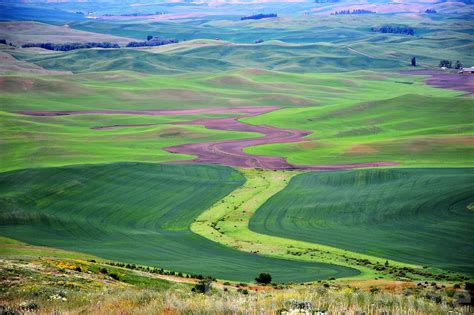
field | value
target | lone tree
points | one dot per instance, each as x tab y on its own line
445	63
203	286
264	278
149	37
413	61
458	65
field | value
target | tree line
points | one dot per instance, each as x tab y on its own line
356	11
395	29
258	16
151	41
71	46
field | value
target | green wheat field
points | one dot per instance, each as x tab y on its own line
174	174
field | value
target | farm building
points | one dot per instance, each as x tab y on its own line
467	70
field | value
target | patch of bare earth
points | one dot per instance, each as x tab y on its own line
360	149
447	80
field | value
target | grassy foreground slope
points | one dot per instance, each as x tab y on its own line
49	285
419	216
137	213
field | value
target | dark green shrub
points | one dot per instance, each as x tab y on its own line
264	278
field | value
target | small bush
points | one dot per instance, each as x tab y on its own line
203	286
243	291
114	276
264	278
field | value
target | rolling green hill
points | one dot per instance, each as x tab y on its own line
419	216
414	130
312	43
94	183
92	60
137	213
401	119
20	33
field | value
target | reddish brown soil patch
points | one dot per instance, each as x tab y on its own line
441	79
14	84
230	152
309	144
360	149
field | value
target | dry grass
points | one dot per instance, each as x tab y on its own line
46	286
183	301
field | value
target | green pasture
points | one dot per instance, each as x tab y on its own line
417	216
35	141
138	213
414	130
360	116
227	222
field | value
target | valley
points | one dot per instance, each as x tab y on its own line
235	157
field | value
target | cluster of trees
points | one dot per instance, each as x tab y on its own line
153	41
326	1
4	42
71	46
150	41
395	29
357	11
449	64
258	16
430	11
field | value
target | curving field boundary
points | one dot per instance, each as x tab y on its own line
227	222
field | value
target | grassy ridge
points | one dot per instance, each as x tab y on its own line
441	36
214	58
411	215
292	44
136	213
